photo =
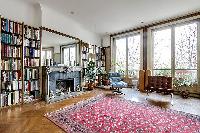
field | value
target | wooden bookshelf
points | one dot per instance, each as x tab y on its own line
31	54
20	63
11	62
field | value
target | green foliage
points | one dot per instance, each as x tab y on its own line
91	71
163	73
100	71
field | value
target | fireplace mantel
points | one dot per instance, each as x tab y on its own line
53	74
63	69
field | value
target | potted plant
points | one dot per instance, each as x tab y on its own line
182	86
91	74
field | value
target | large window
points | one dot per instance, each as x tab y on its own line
69	55
162	52
127	55
175	52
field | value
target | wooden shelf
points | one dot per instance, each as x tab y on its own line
11	70
8	44
17	34
3	57
31	57
34	67
9	60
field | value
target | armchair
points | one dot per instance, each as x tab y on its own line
116	82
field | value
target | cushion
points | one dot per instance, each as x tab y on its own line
115	79
120	84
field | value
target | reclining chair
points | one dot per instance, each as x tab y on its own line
160	84
116	82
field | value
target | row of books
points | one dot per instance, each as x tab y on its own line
98	49
10	51
11	39
31	33
31	86
11	98
86	49
11	86
32	43
11	76
11	26
98	64
31	62
31	74
85	56
31	52
11	64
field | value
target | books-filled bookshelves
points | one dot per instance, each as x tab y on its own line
92	53
32	51
84	59
11	62
17	55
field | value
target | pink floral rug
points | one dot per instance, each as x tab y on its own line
107	114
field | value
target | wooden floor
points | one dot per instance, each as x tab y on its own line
30	118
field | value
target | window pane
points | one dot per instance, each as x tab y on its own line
162	73
186	46
162	49
120	55
43	57
133	55
186	76
49	54
72	55
66	56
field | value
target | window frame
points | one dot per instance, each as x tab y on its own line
113	51
172	27
62	47
47	49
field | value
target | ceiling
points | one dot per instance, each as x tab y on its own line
109	16
52	39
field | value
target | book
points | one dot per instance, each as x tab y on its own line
16	97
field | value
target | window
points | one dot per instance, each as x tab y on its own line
134	43
186	52
120	65
47	53
127	55
175	52
69	55
162	52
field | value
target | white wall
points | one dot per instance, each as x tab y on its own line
21	11
106	40
36	15
57	21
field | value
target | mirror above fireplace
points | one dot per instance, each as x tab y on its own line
59	48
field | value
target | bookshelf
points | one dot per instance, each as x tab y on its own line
94	53
31	53
98	56
103	57
20	63
11	62
84	59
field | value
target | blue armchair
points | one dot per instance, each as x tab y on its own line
116	82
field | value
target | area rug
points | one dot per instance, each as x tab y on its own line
108	114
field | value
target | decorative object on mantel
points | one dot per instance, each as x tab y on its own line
106	114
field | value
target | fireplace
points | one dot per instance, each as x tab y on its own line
65	85
60	82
